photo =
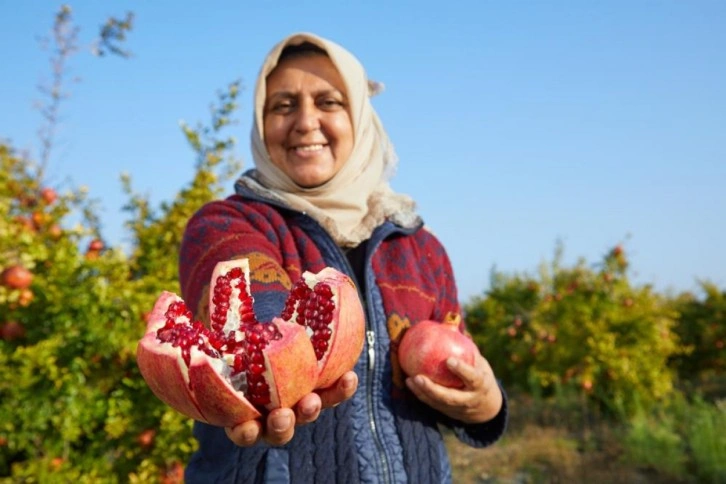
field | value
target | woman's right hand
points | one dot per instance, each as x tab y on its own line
279	426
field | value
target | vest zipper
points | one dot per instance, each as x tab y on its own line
371	337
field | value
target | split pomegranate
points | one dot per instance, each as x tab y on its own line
427	345
238	368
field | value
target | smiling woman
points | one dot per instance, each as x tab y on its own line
308	130
319	195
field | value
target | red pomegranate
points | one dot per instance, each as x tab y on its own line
427	345
95	245
146	438
16	277
12	330
49	195
239	368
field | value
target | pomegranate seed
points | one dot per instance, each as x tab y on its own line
235	273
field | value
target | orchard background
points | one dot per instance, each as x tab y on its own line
608	377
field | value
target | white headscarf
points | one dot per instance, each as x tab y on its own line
358	198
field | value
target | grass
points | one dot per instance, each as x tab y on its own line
564	442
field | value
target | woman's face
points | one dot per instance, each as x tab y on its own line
307	127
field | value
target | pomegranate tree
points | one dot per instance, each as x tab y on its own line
427	345
238	368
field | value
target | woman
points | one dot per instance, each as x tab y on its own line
319	196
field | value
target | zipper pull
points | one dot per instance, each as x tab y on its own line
371	349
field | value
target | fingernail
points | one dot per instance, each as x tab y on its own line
280	423
348	383
452	362
309	411
249	435
418	380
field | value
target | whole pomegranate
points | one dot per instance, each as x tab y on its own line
96	245
146	438
16	277
48	195
239	368
11	331
427	345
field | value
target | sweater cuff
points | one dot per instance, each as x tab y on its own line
483	434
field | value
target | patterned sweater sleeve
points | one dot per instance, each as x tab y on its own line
231	229
475	435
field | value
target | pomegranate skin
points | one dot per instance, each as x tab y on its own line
427	345
162	365
16	277
346	341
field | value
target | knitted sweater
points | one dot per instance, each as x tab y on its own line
383	433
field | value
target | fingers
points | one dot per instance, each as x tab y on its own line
470	375
245	434
434	395
278	430
342	390
308	409
280	426
478	401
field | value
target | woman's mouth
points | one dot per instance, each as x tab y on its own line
309	150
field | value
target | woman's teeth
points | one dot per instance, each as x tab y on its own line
309	148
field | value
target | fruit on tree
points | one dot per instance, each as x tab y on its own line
26	297
16	277
55	232
238	368
48	195
25	222
12	330
427	345
95	245
146	438
174	474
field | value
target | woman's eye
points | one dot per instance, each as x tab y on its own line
331	103
282	107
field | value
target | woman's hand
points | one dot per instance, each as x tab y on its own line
279	426
479	401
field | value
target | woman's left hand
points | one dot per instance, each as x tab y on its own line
278	428
478	401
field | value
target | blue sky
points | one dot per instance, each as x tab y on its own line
517	124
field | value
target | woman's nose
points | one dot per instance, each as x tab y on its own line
308	118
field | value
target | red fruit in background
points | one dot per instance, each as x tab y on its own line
96	245
12	330
16	277
146	438
239	368
427	345
55	232
586	385
25	222
26	297
49	195
174	474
